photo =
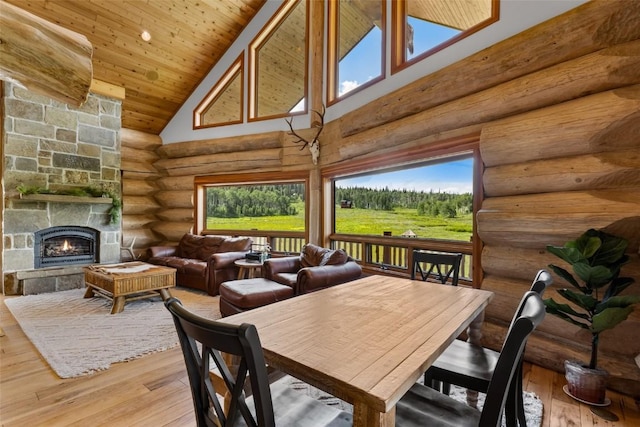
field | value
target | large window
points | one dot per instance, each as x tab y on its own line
263	204
432	200
269	206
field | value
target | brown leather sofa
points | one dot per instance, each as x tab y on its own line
316	268
202	262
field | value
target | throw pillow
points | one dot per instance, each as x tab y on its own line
336	257
312	255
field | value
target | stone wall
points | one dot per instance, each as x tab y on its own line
51	145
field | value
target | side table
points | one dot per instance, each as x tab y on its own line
248	269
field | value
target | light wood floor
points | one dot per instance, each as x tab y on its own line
153	391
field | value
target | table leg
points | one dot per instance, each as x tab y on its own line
474	333
89	292
118	305
365	416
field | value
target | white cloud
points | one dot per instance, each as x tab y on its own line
347	86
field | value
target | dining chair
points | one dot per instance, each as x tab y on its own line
252	400
436	266
424	406
472	366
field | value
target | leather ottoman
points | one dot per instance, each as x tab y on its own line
237	296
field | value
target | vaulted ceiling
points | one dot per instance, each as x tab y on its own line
188	37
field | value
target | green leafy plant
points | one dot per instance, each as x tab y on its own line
596	258
116	203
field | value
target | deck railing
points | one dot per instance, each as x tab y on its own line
395	254
376	254
281	242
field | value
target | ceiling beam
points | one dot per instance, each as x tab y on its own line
44	57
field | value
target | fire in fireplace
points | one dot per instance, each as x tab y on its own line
66	245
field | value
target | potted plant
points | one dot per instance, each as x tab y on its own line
596	258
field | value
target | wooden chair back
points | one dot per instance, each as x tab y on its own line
532	312
436	266
215	338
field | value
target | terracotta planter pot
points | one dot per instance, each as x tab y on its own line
589	385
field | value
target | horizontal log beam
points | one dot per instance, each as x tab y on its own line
176	215
44	57
107	89
174	199
138	187
132	222
597	171
608	121
175	183
232	164
173	231
138	205
221	145
140	140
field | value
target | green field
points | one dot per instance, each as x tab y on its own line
361	221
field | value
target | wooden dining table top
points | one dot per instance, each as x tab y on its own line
367	341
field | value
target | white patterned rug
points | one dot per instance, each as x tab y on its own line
78	336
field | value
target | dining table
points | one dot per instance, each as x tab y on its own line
366	341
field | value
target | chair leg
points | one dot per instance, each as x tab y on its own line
446	388
522	419
514	408
430	382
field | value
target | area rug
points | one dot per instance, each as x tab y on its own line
532	404
78	336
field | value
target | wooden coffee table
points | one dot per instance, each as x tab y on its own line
128	281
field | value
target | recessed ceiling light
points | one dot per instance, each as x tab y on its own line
145	36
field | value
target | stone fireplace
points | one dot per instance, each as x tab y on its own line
54	146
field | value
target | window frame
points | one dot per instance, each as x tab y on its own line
254	47
218	89
201	183
449	148
398	35
333	62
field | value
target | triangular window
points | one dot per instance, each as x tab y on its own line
278	64
223	104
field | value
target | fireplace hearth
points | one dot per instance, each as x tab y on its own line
66	245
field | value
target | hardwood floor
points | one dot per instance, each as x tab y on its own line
153	391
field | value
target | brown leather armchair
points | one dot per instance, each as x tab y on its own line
316	268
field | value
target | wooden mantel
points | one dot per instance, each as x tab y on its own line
44	57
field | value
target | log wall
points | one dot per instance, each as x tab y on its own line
139	185
557	111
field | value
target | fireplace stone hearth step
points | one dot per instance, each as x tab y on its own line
43	280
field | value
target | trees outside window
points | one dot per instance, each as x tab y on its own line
433	200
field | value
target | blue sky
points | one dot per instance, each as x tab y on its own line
450	177
363	64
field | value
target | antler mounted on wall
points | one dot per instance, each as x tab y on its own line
314	143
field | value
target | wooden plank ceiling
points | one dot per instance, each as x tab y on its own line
187	38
